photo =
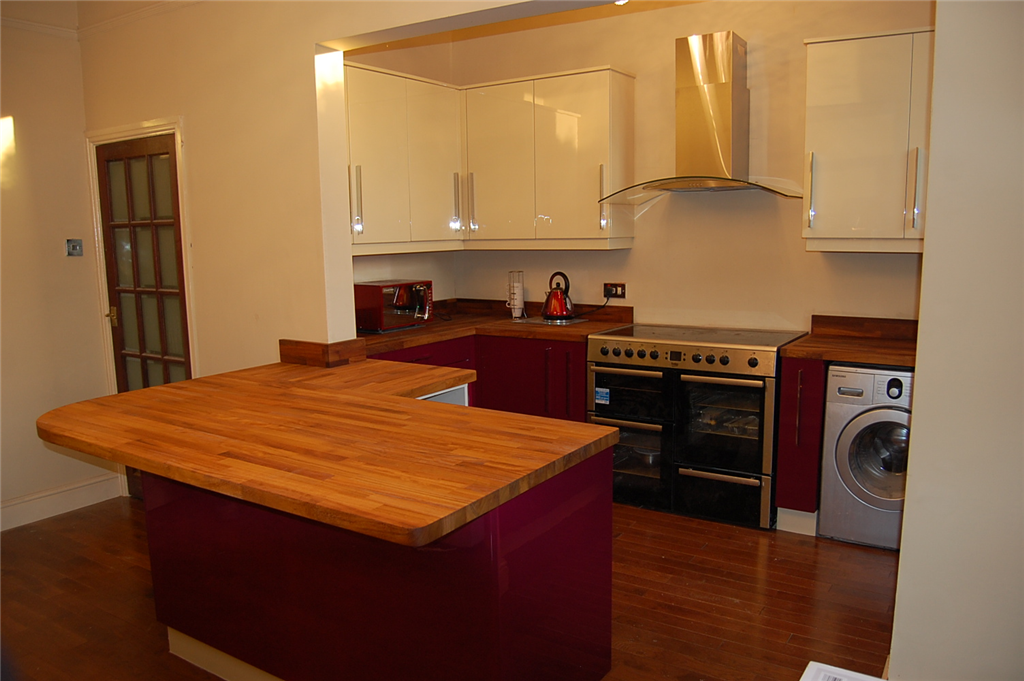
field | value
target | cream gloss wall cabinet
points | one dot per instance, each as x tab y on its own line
405	163
541	153
867	142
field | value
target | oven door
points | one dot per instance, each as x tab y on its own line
630	394
725	424
722	449
641	468
740	499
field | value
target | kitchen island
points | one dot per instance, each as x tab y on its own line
318	523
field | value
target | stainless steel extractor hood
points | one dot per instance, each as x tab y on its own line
712	122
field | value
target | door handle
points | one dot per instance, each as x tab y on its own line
112	315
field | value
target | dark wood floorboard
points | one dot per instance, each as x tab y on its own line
691	600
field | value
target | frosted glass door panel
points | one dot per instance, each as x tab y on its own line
379	154
858	116
572	135
434	160
499	127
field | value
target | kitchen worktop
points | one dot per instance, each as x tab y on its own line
858	340
488	318
344	446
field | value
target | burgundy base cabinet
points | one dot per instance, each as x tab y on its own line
457	352
801	417
531	376
521	593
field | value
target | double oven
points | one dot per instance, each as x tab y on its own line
695	408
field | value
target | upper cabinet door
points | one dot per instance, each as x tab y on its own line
435	161
379	156
866	141
573	129
499	141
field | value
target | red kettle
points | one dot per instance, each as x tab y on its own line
558	306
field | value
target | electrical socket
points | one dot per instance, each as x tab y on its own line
614	290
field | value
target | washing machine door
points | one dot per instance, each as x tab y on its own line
871	456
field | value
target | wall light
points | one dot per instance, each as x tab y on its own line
6	149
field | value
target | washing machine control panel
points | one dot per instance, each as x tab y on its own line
862	385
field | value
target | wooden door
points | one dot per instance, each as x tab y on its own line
143	254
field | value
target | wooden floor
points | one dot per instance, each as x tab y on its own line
692	600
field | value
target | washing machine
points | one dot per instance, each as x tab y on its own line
864	456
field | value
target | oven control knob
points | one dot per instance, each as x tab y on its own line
752	362
724	360
710	359
696	357
641	353
655	354
629	352
605	350
616	351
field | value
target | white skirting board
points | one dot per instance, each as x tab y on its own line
799	522
212	660
56	500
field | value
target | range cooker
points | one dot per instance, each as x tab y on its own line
695	408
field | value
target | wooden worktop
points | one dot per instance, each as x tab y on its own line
859	340
489	318
343	446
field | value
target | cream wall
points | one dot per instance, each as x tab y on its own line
733	259
53	346
960	594
240	79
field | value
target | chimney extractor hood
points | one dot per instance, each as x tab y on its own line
712	122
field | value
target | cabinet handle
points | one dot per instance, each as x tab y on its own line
799	403
600	195
547	381
809	200
357	202
473	226
913	209
456	222
568	384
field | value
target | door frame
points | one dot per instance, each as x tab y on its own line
95	138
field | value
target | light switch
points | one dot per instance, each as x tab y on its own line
73	247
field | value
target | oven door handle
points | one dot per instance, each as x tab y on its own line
626	372
722	381
749	482
654	427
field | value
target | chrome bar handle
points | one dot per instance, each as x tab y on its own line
809	196
722	381
602	421
456	222
473	226
357	217
603	217
914	175
641	373
718	477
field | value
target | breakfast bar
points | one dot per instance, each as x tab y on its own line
314	522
